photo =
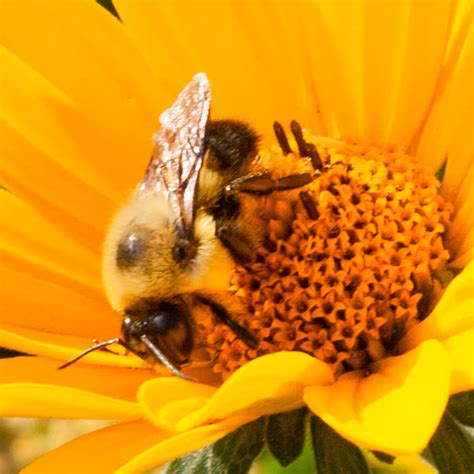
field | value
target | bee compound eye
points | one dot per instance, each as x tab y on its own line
179	252
184	250
162	323
131	248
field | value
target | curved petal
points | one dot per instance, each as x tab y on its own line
460	349
101	451
53	401
268	384
181	444
453	314
120	383
62	348
383	411
172	398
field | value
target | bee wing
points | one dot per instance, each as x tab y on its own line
179	151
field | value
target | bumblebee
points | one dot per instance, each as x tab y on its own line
174	244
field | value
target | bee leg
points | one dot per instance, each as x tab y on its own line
95	347
309	204
159	354
225	317
237	241
263	183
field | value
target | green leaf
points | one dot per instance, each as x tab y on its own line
108	5
267	464
384	457
233	454
441	171
461	406
6	353
198	461
285	435
334	454
450	449
401	465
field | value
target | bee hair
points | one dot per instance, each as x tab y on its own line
232	143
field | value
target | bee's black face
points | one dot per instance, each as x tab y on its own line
165	324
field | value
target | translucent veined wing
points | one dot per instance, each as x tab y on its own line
179	149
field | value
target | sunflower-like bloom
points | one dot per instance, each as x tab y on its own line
361	296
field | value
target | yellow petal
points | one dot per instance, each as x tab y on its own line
113	382
367	71
62	347
30	302
85	170
460	349
166	399
463	246
461	231
464	193
52	401
99	452
426	28
447	132
40	112
275	85
280	46
396	409
46	251
463	258
339	95
112	84
77	209
453	314
181	444
268	384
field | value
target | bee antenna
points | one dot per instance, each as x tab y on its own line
163	359
90	349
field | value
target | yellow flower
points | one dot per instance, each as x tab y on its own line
81	93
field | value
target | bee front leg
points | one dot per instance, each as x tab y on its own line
263	183
238	240
221	312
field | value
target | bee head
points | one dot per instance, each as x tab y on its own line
166	324
146	256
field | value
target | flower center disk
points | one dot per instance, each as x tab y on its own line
348	264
